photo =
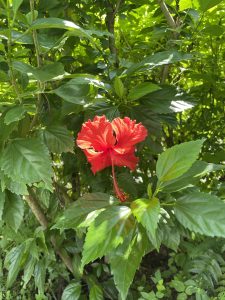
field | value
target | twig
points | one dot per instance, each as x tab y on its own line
40	216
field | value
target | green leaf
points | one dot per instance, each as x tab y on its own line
119	87
125	261
147	213
170	236
82	209
14	114
202	213
14	262
72	291
27	161
73	92
142	89
39	276
58	139
29	270
175	161
13	186
13	211
2	203
184	4
43	23
207	4
16	4
96	292
45	73
178	285
159	59
106	232
189	178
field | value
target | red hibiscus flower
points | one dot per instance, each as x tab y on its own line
111	144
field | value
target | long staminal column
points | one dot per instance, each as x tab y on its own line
120	194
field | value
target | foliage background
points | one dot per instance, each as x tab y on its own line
63	62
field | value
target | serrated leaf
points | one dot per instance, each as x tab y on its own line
82	209
175	161
147	213
29	270
14	261
13	211
106	232
14	114
189	178
72	291
27	161
58	139
73	91
39	276
125	261
142	89
18	188
202	213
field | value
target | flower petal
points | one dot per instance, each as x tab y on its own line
98	160
128	134
124	160
96	134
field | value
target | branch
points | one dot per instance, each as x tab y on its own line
40	216
169	18
171	22
110	23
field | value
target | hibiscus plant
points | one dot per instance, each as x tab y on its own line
111	149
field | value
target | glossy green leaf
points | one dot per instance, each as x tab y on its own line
106	232
147	213
125	261
27	161
83	209
45	73
175	161
119	87
189	178
73	92
159	59
14	114
142	89
202	213
43	23
58	139
14	262
13	211
72	291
